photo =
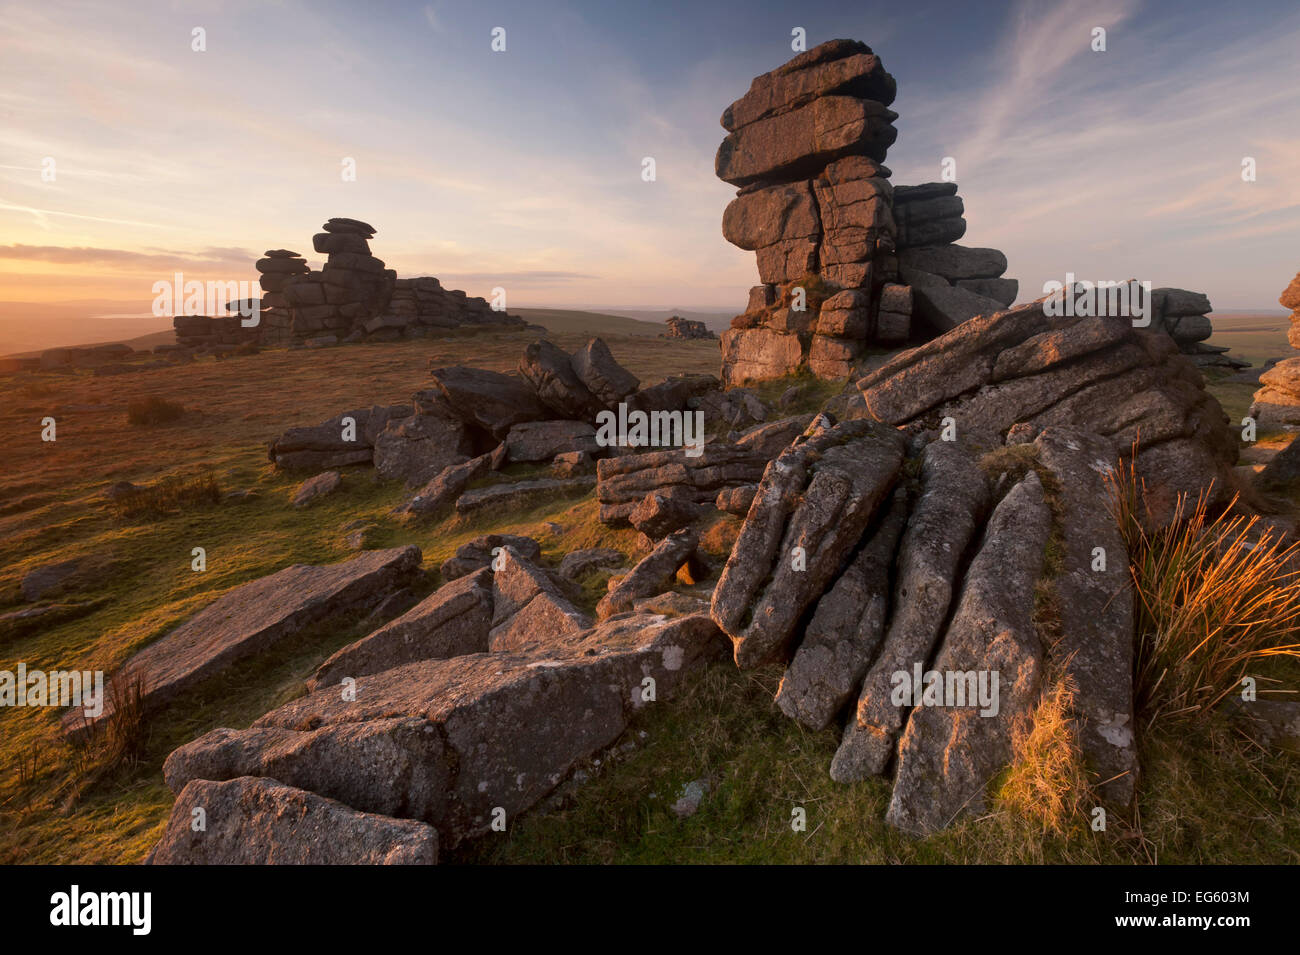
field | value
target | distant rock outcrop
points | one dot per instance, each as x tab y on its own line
679	327
353	297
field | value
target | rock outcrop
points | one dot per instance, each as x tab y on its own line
946	588
835	240
353	297
685	328
1026	367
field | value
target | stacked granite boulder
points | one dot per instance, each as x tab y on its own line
352	287
1277	403
353	297
1184	316
834	238
679	327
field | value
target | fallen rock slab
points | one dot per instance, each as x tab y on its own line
453	620
252	821
651	575
522	494
316	487
250	620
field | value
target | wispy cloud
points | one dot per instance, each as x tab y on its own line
127	259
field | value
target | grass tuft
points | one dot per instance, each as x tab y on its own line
1216	595
145	412
172	494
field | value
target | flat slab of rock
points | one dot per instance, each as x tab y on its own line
522	494
1095	606
453	620
316	487
652	574
803	141
484	399
252	619
837	66
448	741
812	507
253	821
949	754
1026	365
543	440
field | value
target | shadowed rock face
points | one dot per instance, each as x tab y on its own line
810	510
949	754
952	505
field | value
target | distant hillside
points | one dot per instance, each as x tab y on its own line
29	328
573	322
714	321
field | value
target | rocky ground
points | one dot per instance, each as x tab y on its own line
709	770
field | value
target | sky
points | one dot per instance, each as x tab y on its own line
523	168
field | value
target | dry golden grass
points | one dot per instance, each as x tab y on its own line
1047	785
1216	595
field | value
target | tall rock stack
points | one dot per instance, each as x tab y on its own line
352	287
278	269
1277	403
805	146
846	259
